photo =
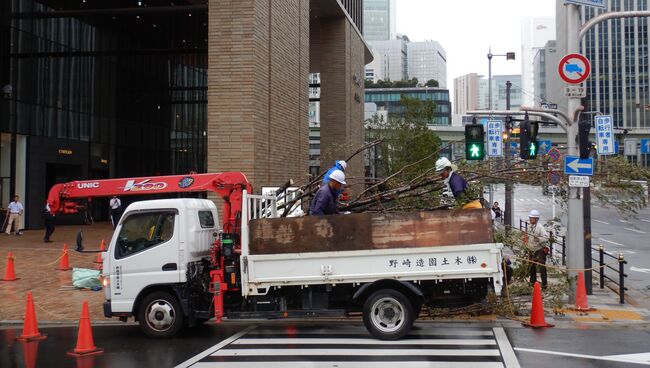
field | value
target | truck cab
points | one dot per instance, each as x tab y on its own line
153	245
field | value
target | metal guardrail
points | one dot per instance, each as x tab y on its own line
560	242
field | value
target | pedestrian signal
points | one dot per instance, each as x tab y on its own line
474	142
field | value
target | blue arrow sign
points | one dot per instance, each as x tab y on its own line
544	146
645	146
576	166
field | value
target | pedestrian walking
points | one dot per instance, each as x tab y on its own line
14	212
535	241
116	210
497	210
48	218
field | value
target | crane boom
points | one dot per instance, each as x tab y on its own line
64	198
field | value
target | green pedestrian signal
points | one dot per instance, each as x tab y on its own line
474	142
532	149
528	145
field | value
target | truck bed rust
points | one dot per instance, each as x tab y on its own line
365	231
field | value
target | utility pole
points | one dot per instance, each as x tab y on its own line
509	208
575	224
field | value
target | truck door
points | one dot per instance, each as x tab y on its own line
145	253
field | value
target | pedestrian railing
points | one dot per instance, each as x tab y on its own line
604	256
557	245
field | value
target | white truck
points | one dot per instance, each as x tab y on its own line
170	264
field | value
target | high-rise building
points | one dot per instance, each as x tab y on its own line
379	20
427	60
465	93
499	92
535	32
105	89
390	60
545	66
388	99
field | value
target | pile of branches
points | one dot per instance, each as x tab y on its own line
406	190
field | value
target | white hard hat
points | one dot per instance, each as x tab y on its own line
343	164
442	163
534	214
338	176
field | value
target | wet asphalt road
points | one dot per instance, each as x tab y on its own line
125	346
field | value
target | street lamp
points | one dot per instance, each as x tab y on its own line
508	193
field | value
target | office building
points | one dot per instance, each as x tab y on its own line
466	93
105	89
535	33
499	92
389	60
427	60
544	66
388	99
379	20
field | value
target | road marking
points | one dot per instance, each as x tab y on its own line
624	221
611	242
602	222
635	230
509	357
297	351
358	341
643	357
538	201
644	220
214	348
642	270
594	357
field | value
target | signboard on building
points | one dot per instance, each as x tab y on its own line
495	139
604	134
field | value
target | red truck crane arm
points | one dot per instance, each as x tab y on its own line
63	198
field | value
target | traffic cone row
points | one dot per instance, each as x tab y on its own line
537	313
10	272
64	264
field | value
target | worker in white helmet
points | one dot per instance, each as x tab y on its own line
454	182
326	198
338	165
535	241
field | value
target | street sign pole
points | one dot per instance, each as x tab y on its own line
575	225
509	205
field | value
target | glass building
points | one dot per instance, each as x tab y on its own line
388	99
98	89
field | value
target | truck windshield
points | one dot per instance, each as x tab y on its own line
144	230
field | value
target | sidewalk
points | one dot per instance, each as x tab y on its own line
36	266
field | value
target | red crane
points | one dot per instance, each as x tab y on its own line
65	198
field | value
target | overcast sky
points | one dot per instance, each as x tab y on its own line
467	28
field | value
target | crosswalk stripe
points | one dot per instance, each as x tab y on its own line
366	352
333	363
406	341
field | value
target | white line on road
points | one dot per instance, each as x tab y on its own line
211	350
644	220
353	341
387	352
611	242
509	357
635	230
538	201
602	222
624	221
594	357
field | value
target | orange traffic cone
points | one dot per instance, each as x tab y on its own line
64	264
10	274
537	313
102	248
30	326
581	295
85	345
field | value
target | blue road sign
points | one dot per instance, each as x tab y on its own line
615	147
604	134
495	140
645	146
594	3
554	177
574	165
544	146
514	148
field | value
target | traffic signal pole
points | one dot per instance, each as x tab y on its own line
509	207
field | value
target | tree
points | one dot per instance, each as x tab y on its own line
432	83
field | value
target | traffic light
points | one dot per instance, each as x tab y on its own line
583	134
528	145
474	142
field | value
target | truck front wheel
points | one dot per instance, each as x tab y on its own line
388	314
160	315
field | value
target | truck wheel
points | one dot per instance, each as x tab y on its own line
160	315
388	314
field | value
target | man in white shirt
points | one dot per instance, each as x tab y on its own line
116	209
14	212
